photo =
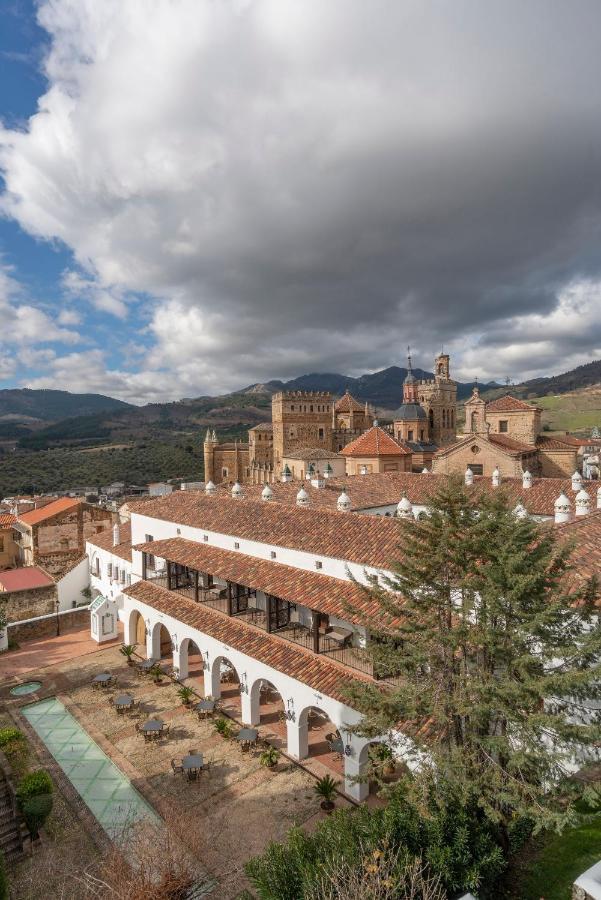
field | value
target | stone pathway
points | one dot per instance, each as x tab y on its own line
49	651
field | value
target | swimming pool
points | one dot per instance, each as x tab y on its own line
105	790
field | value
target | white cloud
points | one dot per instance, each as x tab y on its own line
305	185
68	317
22	322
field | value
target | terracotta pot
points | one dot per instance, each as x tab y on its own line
327	806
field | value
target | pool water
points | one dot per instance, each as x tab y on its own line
104	788
28	687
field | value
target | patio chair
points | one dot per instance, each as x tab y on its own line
165	730
193	752
334	750
176	769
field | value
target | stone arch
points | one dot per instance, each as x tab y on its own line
267	707
161	641
315	726
191	660
225	686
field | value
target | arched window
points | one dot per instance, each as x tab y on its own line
431	416
474	421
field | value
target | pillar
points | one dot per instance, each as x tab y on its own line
149	653
180	661
213	680
128	637
250	707
297	737
353	768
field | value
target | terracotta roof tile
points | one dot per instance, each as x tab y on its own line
553	442
365	540
508	404
24	578
510	444
34	516
7	519
375	442
347	403
311	589
104	540
318	672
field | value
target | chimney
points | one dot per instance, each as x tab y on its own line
404	508
562	509
526	479
496	477
583	503
116	536
469	476
520	512
302	498
344	502
576	482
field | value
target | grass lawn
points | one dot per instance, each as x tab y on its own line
551	870
578	411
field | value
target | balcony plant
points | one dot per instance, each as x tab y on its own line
185	694
384	758
269	758
128	650
326	789
224	728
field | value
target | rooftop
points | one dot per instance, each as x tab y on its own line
375	442
312	453
35	516
104	540
409	412
24	579
262	426
347	403
7	519
509	404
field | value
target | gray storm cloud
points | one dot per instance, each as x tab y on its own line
306	186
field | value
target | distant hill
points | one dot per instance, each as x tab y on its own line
581	377
26	405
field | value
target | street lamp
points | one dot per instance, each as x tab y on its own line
58	625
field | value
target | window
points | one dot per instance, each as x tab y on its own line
109	570
410	435
128	579
321	434
318	564
205	537
503	426
236	545
224	473
273	554
421	434
148	538
477	468
1	545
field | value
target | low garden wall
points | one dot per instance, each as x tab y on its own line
46	626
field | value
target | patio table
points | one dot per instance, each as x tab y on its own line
147	664
339	635
123	702
103	679
205	706
192	765
152	729
247	736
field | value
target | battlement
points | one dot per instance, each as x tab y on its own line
324	396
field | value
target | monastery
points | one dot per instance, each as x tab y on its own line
312	433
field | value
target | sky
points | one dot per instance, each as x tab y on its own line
199	195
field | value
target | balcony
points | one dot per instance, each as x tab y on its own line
299	625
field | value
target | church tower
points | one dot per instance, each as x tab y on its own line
410	420
438	399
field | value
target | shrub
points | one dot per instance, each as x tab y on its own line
269	757
10	736
36	810
325	788
224	727
3	879
185	693
34	784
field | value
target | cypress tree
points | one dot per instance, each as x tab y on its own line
496	646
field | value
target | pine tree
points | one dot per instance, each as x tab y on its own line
497	649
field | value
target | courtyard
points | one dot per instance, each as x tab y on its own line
232	810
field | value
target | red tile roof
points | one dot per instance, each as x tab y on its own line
375	442
24	578
585	533
347	403
34	516
554	442
517	448
7	519
104	540
318	672
311	589
365	540
509	404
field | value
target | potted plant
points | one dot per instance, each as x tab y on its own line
269	758
326	789
223	727
385	757
128	650
185	694
157	673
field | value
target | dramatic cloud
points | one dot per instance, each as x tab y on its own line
309	186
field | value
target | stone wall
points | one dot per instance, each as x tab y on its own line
522	425
58	542
300	420
558	463
379	464
488	456
46	627
29	603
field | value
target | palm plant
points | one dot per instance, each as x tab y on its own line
157	674
128	650
326	789
223	727
185	694
269	758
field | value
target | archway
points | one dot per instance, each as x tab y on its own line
378	758
225	685
321	740
268	709
137	631
191	662
161	642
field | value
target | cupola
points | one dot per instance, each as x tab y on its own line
562	509
210	488
266	493
469	476
404	508
302	498
344	502
526	479
583	503
237	492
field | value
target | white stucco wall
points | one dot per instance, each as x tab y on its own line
70	586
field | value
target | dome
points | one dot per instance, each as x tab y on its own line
344	502
410	412
237	491
266	493
302	498
410	379
210	488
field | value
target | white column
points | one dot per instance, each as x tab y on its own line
180	662
149	653
213	681
297	738
128	638
250	707
358	790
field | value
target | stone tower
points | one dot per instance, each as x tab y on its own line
438	398
301	420
210	443
410	419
